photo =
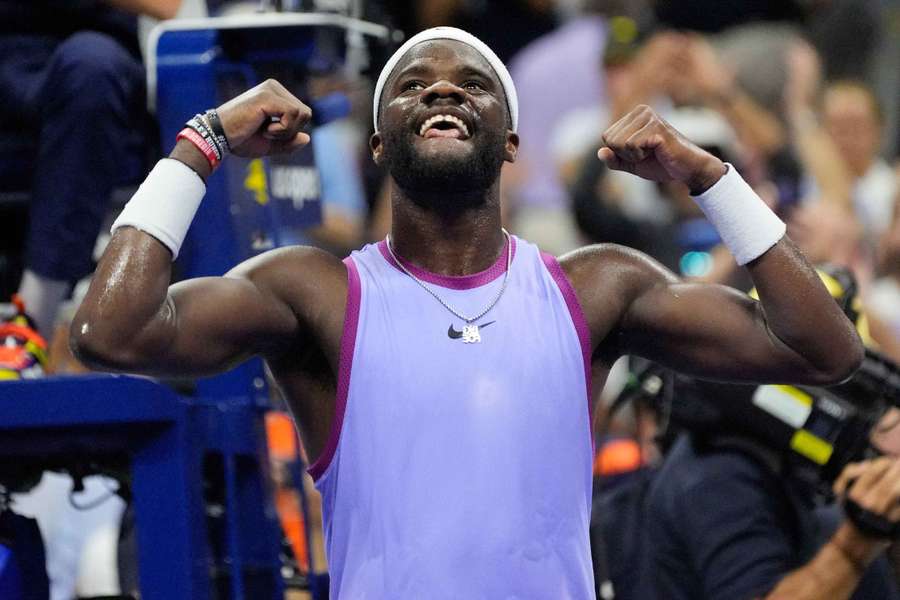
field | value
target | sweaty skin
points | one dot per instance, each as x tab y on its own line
288	305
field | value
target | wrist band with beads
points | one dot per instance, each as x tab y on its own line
746	225
201	143
198	124
165	204
215	124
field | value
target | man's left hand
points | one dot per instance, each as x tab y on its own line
644	144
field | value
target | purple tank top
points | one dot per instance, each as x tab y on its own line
459	470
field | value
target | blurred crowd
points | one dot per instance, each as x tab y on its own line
800	96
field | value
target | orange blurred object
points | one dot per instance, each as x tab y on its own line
283	448
617	456
290	513
282	439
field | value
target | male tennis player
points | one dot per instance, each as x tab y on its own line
442	376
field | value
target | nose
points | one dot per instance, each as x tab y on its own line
443	89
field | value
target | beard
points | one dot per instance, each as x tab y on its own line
447	182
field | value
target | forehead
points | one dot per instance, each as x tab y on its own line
848	100
444	55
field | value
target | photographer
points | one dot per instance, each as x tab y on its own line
736	510
722	523
873	485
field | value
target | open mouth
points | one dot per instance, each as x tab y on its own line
445	126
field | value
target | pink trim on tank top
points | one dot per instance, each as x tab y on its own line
454	282
345	362
578	320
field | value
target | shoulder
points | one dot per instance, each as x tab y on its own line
290	261
604	257
302	276
610	272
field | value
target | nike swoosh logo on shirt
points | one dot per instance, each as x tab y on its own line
455	335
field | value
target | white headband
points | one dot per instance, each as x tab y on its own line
451	33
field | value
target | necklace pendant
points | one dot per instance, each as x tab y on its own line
471	334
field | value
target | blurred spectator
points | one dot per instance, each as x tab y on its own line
848	192
681	76
852	117
728	516
815	149
555	74
338	147
635	70
344	206
725	522
883	298
71	77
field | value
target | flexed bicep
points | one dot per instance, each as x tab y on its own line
795	334
210	324
634	305
132	320
711	331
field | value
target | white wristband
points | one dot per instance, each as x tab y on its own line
165	204
746	225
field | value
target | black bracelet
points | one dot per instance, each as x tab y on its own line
869	523
215	123
197	124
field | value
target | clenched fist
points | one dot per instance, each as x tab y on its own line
265	120
644	144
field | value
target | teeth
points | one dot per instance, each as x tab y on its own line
449	119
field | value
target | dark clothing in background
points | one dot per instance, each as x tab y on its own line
505	25
61	18
72	103
618	538
601	220
715	15
721	524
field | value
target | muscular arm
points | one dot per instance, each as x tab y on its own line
132	320
796	333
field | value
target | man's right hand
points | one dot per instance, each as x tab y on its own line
874	485
265	120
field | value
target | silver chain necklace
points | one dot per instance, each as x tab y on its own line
470	333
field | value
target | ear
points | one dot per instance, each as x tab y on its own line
376	147
512	146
